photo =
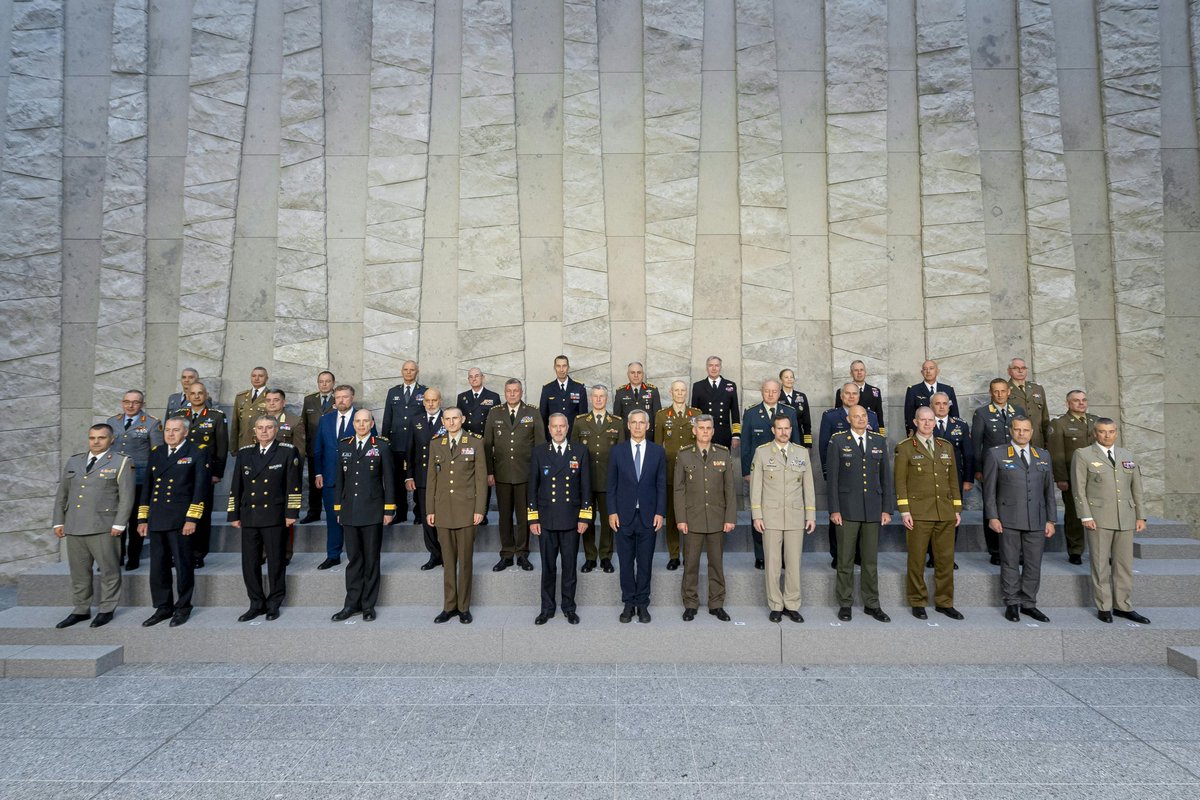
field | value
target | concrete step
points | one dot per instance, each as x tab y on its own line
1165	547
58	660
1184	659
507	634
1157	582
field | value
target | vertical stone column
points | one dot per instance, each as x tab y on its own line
856	107
31	277
491	312
673	48
1132	96
1057	349
219	81
958	329
301	329
586	337
401	75
768	314
121	323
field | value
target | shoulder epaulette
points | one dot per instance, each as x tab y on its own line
616	416
649	385
383	439
581	416
346	439
473	436
286	444
716	446
765	444
247	446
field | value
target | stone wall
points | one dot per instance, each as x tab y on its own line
350	183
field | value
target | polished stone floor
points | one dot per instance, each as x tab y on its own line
229	732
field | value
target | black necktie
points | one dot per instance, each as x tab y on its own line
1111	460
512	415
262	451
341	426
862	445
431	419
1024	460
91	463
360	447
254	395
407	395
170	452
128	422
942	428
704	456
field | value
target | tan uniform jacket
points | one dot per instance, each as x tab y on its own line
92	502
781	492
456	486
705	490
1111	495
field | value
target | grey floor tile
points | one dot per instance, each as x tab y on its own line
946	723
464	670
580	723
226	722
542	790
655	761
648	690
721	723
1134	692
317	690
1178	723
734	690
520	690
650	722
663	790
50	790
187	790
523	670
500	761
1101	671
575	761
592	691
486	791
408	670
734	762
587	670
221	760
687	671
171	690
661	670
184	670
438	723
73	759
507	723
399	791
1185	754
371	723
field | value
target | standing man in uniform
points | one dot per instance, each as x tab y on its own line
673	429
179	400
757	430
264	499
403	405
476	403
798	400
637	394
599	432
860	495
563	395
334	426
835	420
91	509
929	500
364	502
718	398
1018	505
172	505
705	509
136	433
869	397
512	431
425	429
291	431
1031	397
1070	432
315	405
919	394
637	497
989	428
208	432
247	407
560	510
1108	496
455	490
783	505
958	434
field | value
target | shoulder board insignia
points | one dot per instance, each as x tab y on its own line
285	444
247	447
650	386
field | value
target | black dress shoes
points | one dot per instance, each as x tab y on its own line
543	618
877	613
431	563
180	618
524	564
1012	613
572	618
252	614
689	614
793	615
643	615
995	560
329	562
588	566
1104	616
720	614
103	618
1132	616
844	614
758	564
626	614
1074	558
310	518
919	612
445	616
465	618
272	615
502	565
606	565
344	614
1033	611
157	617
949	611
198	562
775	616
673	564
73	619
368	615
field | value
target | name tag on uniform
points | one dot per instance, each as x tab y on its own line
275	466
877	450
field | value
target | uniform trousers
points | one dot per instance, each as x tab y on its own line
334	537
1112	584
855	536
458	555
713	544
672	531
273	540
939	534
399	476
104	550
635	554
993	541
363	545
167	547
314	494
202	538
431	534
781	549
1019	583
131	542
834	533
550	545
512	498
1072	527
596	549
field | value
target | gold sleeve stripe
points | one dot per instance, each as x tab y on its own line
737	428
807	439
232	504
882	431
196	510
533	515
901	502
585	514
143	512
389	506
337	506
958	503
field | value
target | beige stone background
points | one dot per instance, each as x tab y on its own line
347	183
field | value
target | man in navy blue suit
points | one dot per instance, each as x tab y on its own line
335	425
637	504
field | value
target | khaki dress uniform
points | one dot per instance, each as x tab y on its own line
705	489
1110	493
782	496
927	487
456	490
675	432
1069	433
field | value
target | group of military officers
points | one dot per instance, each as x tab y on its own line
571	469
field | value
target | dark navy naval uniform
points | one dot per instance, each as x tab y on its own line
571	401
404	405
475	407
263	495
417	464
363	496
870	398
859	487
209	434
135	437
560	497
721	402
958	433
176	485
799	403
